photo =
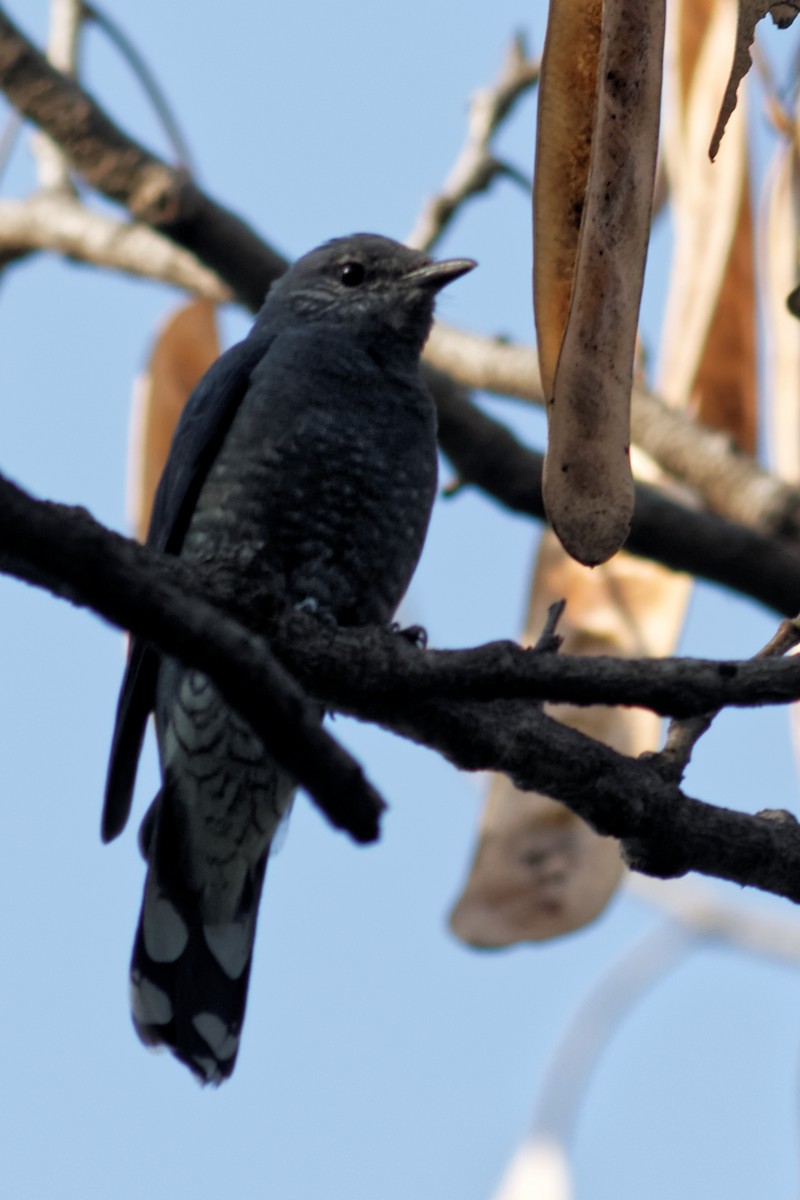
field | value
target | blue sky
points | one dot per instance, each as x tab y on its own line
380	1058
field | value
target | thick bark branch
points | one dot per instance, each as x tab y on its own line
126	172
730	483
66	18
66	551
486	454
367	671
381	677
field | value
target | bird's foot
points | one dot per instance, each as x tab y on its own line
416	634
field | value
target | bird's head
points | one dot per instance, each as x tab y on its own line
373	288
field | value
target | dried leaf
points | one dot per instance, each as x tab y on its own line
538	870
588	488
725	387
708	345
750	13
779	253
780	231
186	346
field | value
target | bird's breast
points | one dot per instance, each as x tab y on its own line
327	477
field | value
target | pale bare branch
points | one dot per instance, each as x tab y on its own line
540	1167
124	171
567	1077
730	483
711	913
57	222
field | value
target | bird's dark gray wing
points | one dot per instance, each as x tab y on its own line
134	707
200	432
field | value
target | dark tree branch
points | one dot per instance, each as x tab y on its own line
684	733
369	672
420	694
373	675
124	171
487	455
663	831
729	482
66	551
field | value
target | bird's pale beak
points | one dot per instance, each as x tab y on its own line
437	275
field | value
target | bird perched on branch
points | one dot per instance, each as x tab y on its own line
307	456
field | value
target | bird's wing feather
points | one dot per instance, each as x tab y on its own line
200	432
134	707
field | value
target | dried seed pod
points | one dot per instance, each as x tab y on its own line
588	488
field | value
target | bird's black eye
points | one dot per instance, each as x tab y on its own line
352	274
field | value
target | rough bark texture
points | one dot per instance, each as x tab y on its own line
476	707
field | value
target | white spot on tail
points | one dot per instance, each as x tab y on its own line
209	1068
231	945
149	1005
164	930
217	1035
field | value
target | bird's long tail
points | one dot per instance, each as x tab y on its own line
189	978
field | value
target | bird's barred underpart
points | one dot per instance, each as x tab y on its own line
306	459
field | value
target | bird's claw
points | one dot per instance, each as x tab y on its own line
416	634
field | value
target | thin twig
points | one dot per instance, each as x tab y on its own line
684	733
549	641
476	167
600	1014
776	111
149	83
